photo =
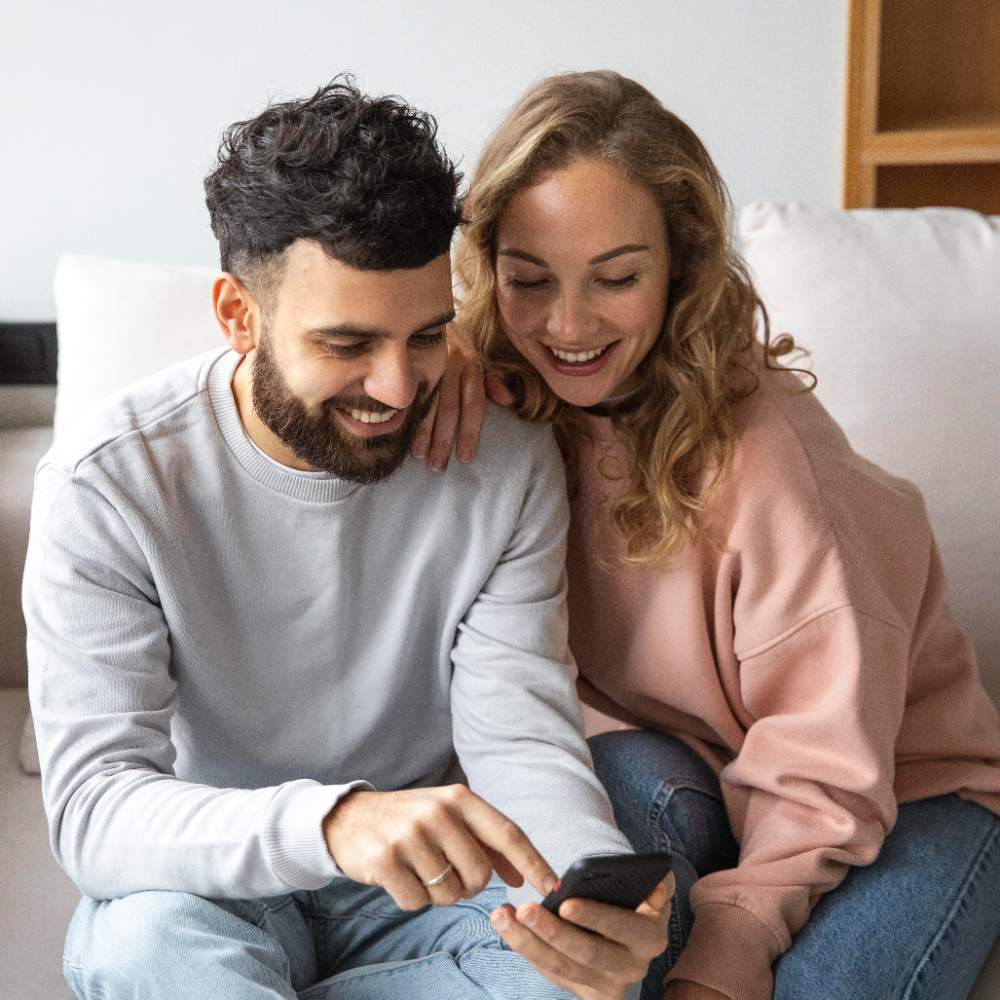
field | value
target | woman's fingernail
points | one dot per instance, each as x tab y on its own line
549	884
437	465
464	454
420	451
529	916
500	921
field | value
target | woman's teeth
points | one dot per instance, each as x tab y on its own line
366	417
578	357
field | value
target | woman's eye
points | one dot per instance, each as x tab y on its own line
630	279
521	283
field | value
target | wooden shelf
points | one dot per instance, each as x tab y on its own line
923	104
933	145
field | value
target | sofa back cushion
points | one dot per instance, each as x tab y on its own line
119	322
900	310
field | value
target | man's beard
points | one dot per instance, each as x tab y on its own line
319	440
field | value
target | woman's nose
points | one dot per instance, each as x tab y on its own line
570	320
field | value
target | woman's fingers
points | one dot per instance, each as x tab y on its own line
457	414
497	391
470	421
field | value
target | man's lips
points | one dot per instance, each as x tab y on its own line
361	429
579	367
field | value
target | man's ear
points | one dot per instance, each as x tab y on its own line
236	312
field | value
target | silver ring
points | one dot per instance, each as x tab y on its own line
439	879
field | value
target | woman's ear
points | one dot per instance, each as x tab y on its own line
236	312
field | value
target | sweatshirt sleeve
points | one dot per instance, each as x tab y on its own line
516	718
103	698
809	794
828	571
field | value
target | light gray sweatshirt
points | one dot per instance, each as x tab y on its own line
220	648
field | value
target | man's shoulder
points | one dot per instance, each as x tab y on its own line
508	443
136	412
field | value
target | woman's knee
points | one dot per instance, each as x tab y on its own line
664	796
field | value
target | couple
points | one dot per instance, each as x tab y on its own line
290	687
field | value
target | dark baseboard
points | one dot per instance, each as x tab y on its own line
28	353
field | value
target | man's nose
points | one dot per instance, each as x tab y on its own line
393	379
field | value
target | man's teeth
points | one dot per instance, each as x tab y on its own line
366	417
578	357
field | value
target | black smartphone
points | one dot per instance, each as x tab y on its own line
619	879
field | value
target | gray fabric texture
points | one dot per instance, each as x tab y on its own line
218	647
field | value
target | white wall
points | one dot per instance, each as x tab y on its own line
110	110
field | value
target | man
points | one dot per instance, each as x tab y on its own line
258	637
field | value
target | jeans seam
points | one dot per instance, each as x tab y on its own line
951	919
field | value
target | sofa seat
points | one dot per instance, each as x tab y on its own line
37	898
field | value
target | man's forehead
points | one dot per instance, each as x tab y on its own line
322	291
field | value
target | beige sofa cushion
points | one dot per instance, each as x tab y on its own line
901	312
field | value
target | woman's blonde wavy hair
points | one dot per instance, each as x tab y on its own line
698	370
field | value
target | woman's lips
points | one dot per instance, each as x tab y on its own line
579	367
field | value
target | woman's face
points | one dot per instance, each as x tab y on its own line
583	272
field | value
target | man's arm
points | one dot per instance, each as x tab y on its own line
518	732
103	699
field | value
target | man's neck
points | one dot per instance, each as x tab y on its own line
256	429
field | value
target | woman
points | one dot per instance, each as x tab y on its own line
758	614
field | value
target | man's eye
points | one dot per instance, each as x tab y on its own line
345	350
520	283
427	339
629	279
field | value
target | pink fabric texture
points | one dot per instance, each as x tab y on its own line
805	649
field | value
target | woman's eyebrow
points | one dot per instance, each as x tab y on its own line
599	259
617	252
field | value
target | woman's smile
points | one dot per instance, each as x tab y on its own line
583	273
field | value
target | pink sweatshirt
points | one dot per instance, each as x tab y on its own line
810	658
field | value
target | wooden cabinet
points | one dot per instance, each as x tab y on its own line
923	104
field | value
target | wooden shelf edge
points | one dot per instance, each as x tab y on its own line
968	145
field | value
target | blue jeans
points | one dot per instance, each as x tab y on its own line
917	924
347	941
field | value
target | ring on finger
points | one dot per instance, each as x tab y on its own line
439	879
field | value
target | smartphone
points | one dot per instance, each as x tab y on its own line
618	879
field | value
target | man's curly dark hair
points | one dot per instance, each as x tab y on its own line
363	176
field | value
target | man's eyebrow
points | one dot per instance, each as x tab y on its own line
599	259
356	330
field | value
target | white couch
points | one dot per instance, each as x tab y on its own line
901	310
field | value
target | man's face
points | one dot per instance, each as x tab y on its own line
350	360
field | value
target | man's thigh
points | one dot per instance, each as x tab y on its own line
916	924
367	947
347	941
174	944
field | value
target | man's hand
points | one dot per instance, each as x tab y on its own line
590	967
403	840
458	408
682	989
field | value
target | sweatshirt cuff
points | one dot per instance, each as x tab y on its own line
729	950
294	844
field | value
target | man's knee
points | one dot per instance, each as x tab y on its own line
135	939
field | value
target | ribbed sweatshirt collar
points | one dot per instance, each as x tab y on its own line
265	471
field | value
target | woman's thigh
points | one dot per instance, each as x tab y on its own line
916	924
666	797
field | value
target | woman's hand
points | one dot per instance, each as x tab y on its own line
590	966
682	989
459	407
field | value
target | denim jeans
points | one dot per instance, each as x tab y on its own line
347	941
917	924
